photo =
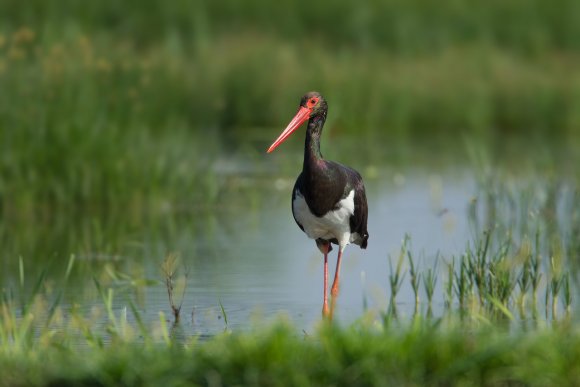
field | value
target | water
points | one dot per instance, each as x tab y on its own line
260	264
247	253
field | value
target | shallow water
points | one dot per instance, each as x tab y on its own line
260	265
247	253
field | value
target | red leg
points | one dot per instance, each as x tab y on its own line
334	291
325	312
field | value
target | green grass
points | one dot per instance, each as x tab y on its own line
394	25
420	354
249	80
112	116
107	105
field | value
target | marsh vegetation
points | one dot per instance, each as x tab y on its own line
134	134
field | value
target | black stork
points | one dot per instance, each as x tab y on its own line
328	200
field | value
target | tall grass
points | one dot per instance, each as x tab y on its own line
251	80
398	26
106	105
218	64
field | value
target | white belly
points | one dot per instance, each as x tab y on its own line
334	224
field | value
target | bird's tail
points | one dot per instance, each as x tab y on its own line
365	238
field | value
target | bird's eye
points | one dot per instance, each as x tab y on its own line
312	102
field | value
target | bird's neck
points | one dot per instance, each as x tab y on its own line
312	155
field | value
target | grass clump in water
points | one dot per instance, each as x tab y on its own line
169	267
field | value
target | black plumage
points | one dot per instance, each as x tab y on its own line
324	183
328	200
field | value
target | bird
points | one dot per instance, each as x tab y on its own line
329	202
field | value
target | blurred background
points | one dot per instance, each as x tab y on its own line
140	85
130	129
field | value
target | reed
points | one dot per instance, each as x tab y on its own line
170	267
414	278
430	280
397	274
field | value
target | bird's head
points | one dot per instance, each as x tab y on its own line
312	105
315	103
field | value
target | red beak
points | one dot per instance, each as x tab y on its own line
302	115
